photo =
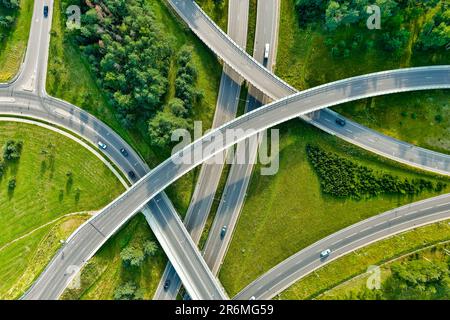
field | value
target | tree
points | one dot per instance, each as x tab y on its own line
132	256
150	248
12	184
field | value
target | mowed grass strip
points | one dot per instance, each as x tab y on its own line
13	48
287	212
356	263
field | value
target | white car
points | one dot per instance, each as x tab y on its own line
267	51
102	145
325	253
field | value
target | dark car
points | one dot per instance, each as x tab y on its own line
124	152
166	285
223	232
340	122
45	11
131	174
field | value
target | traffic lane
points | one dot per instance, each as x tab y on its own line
208	181
31	54
375	140
232	198
238	21
174	286
346	240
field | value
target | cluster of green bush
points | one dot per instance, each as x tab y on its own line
8	16
341	177
414	279
128	291
395	15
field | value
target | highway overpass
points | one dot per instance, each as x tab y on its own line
88	239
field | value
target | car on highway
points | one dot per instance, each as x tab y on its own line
102	145
132	175
266	51
325	253
45	11
166	285
223	231
124	152
341	122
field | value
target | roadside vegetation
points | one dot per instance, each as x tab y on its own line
15	22
216	10
44	177
290	210
128	267
324	41
418	256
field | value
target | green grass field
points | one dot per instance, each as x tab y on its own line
355	264
43	194
288	211
105	272
69	78
305	61
12	49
